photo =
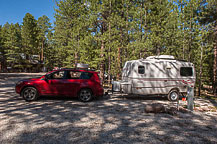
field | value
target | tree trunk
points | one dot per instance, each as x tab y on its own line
215	63
109	56
126	55
120	48
141	35
157	50
77	49
145	55
119	63
102	62
183	42
215	70
42	51
190	41
109	51
4	63
201	70
76	58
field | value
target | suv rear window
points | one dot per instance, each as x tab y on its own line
85	75
79	75
186	71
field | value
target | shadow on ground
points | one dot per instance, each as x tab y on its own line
112	119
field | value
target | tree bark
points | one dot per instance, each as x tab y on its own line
126	55
183	28
145	55
215	70
190	41
42	51
120	48
141	33
102	61
76	58
76	50
215	62
109	51
109	56
119	63
201	70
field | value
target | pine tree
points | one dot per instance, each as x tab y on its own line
209	18
70	29
50	52
29	35
105	34
1	49
44	27
13	44
4	45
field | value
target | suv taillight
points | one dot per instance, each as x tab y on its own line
98	80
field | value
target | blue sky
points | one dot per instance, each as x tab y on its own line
13	11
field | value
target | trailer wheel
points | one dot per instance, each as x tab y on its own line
173	95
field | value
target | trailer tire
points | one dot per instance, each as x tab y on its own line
173	95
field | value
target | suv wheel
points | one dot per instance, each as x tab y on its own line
29	94
85	95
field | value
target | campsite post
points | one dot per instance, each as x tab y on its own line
190	100
178	104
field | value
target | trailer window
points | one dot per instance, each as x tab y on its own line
186	71
141	69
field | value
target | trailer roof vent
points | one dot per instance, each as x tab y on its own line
161	57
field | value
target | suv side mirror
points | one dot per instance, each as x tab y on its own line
45	78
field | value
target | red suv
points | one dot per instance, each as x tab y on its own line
84	84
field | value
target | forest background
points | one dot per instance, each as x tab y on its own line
107	33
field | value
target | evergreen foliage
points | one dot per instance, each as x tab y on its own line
106	33
29	34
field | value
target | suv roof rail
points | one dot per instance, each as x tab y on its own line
88	69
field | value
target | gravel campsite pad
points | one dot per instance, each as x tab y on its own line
111	119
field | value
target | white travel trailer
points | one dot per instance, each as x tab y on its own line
156	75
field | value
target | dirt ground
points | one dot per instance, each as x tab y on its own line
111	119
